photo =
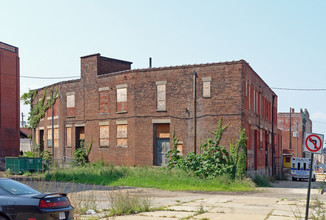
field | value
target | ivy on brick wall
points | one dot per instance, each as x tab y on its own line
37	111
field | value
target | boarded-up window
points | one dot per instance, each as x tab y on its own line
49	138
104	136
121	99
70	104
161	95
37	137
122	135
68	135
163	130
206	87
104	100
56	137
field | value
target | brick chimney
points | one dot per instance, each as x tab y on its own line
94	65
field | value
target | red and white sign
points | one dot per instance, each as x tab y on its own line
314	143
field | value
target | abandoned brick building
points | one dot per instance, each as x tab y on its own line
130	114
9	101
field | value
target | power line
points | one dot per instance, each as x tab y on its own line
322	122
296	89
38	77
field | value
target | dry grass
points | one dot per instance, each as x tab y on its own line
124	202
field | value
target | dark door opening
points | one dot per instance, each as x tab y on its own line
266	149
41	141
80	136
256	148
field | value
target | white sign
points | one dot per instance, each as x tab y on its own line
313	143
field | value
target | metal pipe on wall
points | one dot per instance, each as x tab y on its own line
194	104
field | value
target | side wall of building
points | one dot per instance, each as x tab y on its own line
260	117
9	101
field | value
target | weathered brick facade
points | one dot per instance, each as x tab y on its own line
9	101
130	114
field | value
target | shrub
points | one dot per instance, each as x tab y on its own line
213	159
81	154
261	181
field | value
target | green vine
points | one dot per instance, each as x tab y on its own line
38	110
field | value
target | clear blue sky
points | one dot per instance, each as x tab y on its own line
283	41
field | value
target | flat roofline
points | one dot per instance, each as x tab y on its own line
107	58
8	47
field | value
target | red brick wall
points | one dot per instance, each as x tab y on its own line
9	102
228	101
258	110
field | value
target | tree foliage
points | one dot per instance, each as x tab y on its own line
37	111
213	159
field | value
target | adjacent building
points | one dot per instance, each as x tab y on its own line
9	101
129	114
293	126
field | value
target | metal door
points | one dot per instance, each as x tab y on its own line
163	146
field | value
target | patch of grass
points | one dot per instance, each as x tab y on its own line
201	209
149	177
180	180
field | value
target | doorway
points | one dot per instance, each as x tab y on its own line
161	144
80	136
41	141
266	149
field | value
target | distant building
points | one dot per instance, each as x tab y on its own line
9	101
293	126
25	140
130	114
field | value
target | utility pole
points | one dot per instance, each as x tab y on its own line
22	119
290	135
297	136
52	126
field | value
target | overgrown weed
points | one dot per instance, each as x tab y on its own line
125	203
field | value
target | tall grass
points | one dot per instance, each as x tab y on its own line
147	177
